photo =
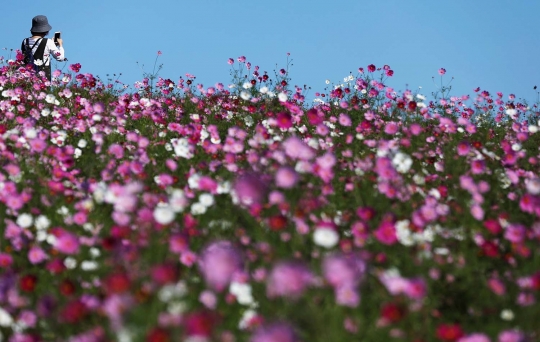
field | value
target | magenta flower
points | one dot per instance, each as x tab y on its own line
386	233
218	263
288	279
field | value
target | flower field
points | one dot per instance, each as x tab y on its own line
179	212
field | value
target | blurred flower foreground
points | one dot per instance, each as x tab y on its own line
179	212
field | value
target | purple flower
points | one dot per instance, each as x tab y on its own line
288	279
342	270
250	189
276	332
218	263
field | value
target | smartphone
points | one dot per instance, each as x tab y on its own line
57	35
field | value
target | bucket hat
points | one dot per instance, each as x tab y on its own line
40	24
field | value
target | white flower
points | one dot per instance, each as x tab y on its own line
70	263
49	99
327	81
177	200
507	315
42	222
533	129
403	233
247	85
246	317
420	97
402	162
198	208
45	112
5	318
38	62
30	133
242	292
282	97
182	148
164	213
516	147
206	199
245	95
89	265
77	153
325	237
263	90
533	186
193	181
25	220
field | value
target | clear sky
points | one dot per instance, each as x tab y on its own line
491	44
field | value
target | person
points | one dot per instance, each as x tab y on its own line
40	47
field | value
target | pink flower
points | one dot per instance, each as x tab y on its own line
286	177
515	233
478	166
67	243
386	233
284	120
218	263
344	120
476	337
391	128
497	286
230	61
511	336
36	255
342	270
5	260
276	332
442	71
347	296
288	279
415	288
297	149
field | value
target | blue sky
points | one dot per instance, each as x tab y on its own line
491	44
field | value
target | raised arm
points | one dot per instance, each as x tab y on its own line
56	51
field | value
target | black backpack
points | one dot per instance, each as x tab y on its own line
29	57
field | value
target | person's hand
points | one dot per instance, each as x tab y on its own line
59	42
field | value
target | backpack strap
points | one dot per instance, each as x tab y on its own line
40	50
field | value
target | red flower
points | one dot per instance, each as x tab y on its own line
412	105
67	288
28	283
164	274
74	311
200	323
392	312
449	332
490	249
157	335
277	222
371	68
117	283
536	281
